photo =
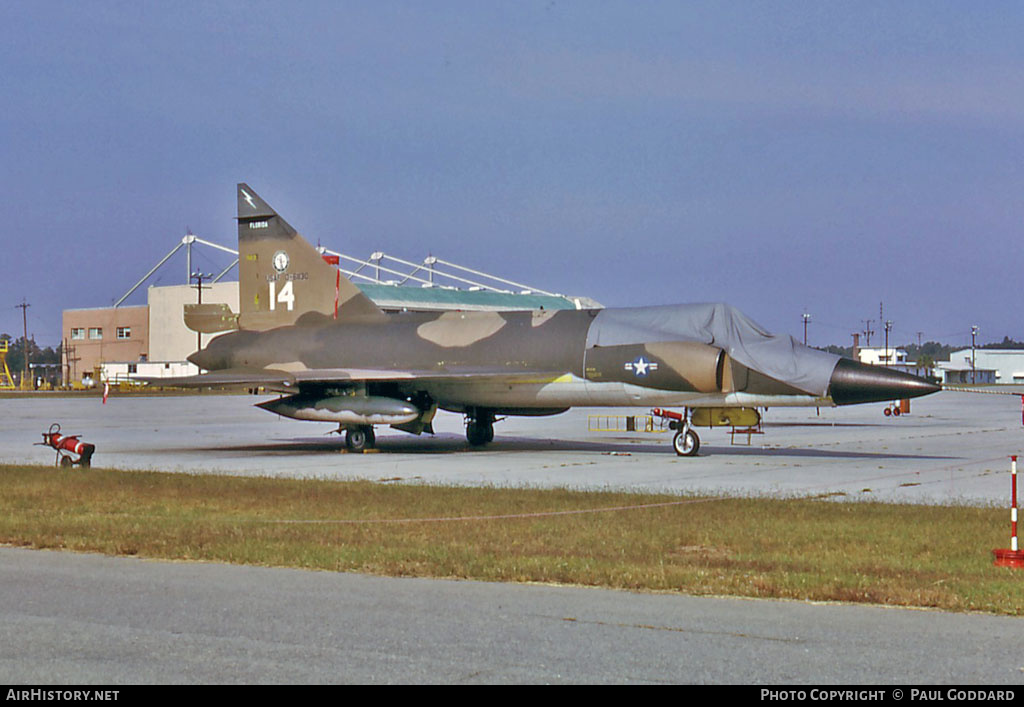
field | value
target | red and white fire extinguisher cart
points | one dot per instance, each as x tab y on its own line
71	450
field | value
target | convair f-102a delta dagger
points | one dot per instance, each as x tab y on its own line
304	330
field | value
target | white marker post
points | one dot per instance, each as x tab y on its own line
1012	557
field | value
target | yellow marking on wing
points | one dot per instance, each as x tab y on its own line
564	378
288	366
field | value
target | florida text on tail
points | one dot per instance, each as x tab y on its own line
306	331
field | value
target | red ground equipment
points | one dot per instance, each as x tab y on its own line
671	415
68	447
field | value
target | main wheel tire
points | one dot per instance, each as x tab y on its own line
686	443
358	438
479	433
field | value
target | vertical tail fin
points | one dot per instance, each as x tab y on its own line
281	276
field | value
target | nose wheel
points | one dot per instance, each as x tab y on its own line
686	443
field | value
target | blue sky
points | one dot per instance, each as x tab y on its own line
783	157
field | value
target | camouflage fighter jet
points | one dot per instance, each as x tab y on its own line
306	331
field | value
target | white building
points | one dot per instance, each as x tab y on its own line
985	366
881	356
893	358
125	372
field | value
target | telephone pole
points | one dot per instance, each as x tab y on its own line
888	328
867	331
24	322
974	336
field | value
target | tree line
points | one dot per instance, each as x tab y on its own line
928	353
16	357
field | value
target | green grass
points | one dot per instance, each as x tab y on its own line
809	549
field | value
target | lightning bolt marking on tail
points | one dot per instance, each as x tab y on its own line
249	199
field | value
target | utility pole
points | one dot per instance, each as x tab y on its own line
867	331
73	358
974	337
885	325
24	321
807	319
888	328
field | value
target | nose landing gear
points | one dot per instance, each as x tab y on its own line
685	442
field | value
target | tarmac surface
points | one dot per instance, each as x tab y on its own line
86	619
78	619
952	448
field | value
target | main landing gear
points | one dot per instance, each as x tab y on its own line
479	427
359	438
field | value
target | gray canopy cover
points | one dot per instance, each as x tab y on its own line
721	325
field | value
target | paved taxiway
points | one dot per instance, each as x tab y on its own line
953	447
85	619
76	619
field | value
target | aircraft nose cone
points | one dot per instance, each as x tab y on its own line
853	382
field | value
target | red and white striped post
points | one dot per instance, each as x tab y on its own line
1012	557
